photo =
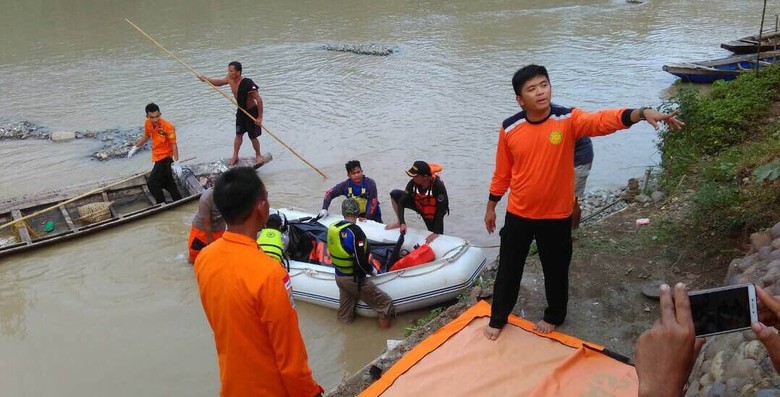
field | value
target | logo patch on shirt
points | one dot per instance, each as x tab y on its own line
556	137
288	286
441	198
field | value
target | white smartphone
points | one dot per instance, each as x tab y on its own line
725	309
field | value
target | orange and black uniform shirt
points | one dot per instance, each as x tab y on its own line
163	137
535	160
247	298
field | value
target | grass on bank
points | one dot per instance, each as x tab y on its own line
728	153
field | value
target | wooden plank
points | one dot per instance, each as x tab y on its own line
149	196
111	208
68	220
24	234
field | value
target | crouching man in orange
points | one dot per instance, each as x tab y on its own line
207	225
247	299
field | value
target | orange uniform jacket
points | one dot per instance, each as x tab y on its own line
163	137
535	161
247	299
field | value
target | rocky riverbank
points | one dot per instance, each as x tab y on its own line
116	141
614	258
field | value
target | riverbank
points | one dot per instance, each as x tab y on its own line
614	259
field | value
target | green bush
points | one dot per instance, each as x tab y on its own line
728	152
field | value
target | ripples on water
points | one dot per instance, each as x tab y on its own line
120	298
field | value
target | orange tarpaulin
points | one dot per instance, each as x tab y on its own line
457	360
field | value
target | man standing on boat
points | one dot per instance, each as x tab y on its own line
165	154
535	162
207	225
348	247
357	186
247	298
248	99
426	195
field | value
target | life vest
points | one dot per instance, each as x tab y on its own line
361	198
270	241
423	254
425	201
342	260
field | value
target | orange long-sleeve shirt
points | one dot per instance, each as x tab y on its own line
247	298
535	161
163	137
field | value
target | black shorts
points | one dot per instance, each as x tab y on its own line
245	124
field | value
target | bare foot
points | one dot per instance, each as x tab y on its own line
392	226
492	333
544	327
233	161
259	161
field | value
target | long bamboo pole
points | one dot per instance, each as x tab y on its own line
229	98
98	190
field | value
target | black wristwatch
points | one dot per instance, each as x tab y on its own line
642	112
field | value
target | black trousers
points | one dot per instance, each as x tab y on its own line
553	239
161	178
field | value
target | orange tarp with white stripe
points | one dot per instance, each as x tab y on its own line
457	360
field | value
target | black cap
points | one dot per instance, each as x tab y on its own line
419	168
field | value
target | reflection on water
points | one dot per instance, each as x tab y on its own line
123	305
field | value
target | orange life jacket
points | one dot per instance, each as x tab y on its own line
425	201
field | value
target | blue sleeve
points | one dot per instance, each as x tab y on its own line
334	192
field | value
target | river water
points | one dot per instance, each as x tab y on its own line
119	313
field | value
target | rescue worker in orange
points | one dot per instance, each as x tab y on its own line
165	154
207	225
535	162
248	99
349	252
426	195
247	299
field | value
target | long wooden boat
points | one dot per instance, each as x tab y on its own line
770	41
721	69
120	203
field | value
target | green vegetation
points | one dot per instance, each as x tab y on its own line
425	320
728	153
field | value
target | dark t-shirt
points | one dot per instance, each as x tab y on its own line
583	151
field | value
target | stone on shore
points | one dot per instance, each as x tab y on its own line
61	136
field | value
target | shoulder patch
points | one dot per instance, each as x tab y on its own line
510	122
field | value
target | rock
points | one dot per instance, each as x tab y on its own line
732	386
745	367
759	239
641	198
776	242
768	393
775	231
764	252
754	350
717	390
60	136
657	196
774	255
716	367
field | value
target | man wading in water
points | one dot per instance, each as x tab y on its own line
535	162
247	97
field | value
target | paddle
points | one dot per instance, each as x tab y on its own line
231	99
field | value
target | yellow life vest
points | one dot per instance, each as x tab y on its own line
270	241
361	198
341	259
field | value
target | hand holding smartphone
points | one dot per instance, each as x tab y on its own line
723	310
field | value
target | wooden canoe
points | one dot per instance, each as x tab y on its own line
770	41
127	201
721	69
